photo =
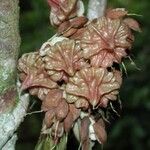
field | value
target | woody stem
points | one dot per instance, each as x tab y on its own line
96	8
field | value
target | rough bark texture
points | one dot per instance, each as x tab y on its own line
11	144
9	45
96	8
9	122
12	105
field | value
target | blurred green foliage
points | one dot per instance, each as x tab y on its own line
132	129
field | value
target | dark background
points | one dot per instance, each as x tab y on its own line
132	129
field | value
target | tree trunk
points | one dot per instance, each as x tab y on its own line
9	45
12	105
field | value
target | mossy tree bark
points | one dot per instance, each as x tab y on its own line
12	105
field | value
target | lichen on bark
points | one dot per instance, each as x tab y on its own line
13	106
9	46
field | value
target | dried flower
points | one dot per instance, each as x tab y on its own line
49	118
132	24
55	111
116	13
61	10
70	32
30	62
93	84
62	110
52	100
58	110
61	119
82	103
40	92
79	34
105	41
64	57
79	102
34	76
72	28
71	117
122	13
